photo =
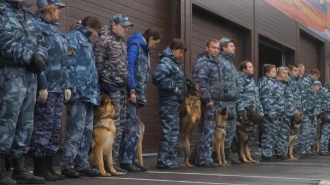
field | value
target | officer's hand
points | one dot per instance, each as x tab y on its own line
42	97
210	104
67	95
37	63
176	90
133	98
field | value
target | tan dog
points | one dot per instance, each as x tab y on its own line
220	136
295	124
139	145
104	132
189	117
321	119
244	128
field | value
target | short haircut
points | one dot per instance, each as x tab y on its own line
152	32
211	40
292	66
243	65
48	9
280	69
315	71
177	43
301	66
267	68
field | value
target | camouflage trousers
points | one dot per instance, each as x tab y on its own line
312	133
169	113
131	135
18	88
270	135
324	141
206	127
118	100
230	124
302	146
78	136
47	124
283	136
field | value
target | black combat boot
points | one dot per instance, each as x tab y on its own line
40	169
4	179
50	169
22	175
230	158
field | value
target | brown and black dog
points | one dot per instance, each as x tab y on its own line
139	145
244	128
104	132
294	125
189	117
321	119
220	136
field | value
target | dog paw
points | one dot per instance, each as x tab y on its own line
254	161
227	164
115	173
106	175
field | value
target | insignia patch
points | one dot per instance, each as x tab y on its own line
70	52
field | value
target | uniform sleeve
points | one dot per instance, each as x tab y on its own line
41	46
42	81
290	104
259	108
100	48
132	56
160	76
72	61
240	101
200	75
266	99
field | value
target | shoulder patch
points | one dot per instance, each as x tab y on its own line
70	52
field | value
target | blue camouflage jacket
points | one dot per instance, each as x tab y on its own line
168	75
207	73
138	66
323	100
19	35
298	92
249	95
81	67
267	93
284	103
229	86
310	94
55	72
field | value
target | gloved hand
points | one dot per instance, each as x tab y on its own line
37	63
67	95
42	97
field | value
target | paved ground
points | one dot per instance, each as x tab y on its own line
305	171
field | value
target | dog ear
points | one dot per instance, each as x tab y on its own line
224	111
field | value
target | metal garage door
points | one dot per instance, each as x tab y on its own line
308	53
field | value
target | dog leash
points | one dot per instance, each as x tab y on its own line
128	100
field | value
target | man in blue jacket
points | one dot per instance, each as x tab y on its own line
230	91
22	56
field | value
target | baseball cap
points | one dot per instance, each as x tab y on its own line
120	19
223	41
42	3
317	83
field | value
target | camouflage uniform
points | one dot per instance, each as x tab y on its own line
20	38
309	120
207	73
284	107
83	77
47	121
111	63
167	76
229	94
267	90
325	136
249	96
139	67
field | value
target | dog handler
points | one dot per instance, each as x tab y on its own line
86	95
138	55
207	74
170	80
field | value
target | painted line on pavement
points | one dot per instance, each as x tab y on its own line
159	180
324	182
226	175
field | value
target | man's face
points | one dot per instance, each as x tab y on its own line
120	30
213	48
315	77
302	71
294	72
317	88
230	48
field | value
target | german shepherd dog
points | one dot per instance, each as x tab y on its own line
220	136
294	125
139	145
244	128
104	132
189	116
322	118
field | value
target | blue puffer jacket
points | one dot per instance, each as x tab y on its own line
55	72
168	75
310	94
249	95
207	73
138	66
82	69
230	88
18	43
267	93
284	103
298	92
